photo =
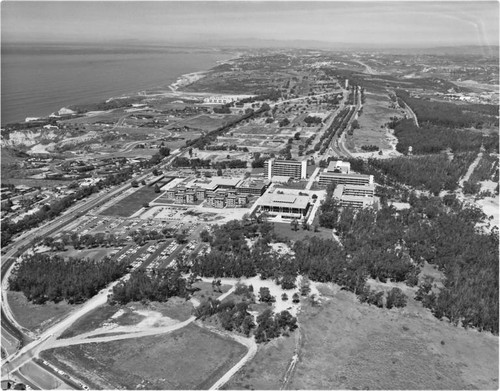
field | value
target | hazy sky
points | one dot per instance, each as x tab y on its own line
370	22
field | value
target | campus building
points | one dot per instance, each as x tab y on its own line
340	173
220	99
290	168
289	206
356	196
252	186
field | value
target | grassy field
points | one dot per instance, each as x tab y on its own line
348	345
189	358
284	230
268	367
375	113
132	203
36	317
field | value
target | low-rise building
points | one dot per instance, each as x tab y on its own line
355	196
252	186
289	206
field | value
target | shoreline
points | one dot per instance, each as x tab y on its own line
180	81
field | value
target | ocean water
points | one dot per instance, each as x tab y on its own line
38	80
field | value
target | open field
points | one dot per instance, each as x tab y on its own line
189	358
268	367
348	345
132	203
37	317
375	113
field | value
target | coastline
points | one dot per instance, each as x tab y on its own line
24	110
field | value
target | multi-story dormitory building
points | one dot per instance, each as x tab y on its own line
291	168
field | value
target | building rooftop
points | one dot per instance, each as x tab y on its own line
280	178
285	200
339	165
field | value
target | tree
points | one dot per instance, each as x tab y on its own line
396	298
134	183
157	189
295	298
297	136
265	295
145	205
164	151
219	172
295	224
143	182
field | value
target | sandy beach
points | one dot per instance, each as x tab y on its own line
187	79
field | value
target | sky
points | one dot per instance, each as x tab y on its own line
373	23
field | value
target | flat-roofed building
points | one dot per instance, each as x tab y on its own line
219	202
242	199
325	178
200	193
280	179
190	197
226	183
339	166
251	186
354	195
180	197
171	193
287	205
292	168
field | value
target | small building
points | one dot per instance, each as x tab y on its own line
200	193
190	197
180	197
219	202
280	179
339	166
170	193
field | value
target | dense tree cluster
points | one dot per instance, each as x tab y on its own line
272	326
450	114
43	277
232	317
159	285
393	244
428	139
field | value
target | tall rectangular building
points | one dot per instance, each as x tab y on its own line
292	168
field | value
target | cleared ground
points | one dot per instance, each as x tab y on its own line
132	203
127	315
36	317
190	358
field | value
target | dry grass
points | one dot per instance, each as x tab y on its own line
348	345
189	358
375	113
132	203
36	317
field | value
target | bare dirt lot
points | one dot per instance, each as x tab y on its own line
189	358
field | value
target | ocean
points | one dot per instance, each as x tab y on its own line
37	80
